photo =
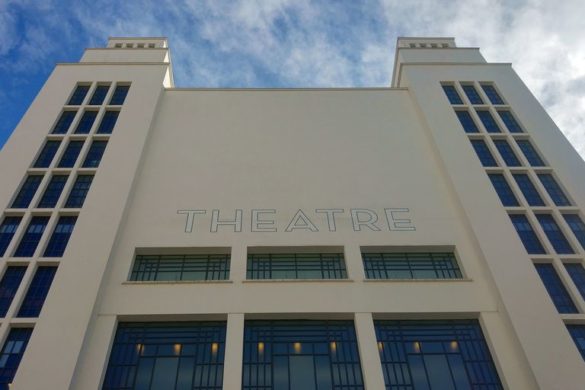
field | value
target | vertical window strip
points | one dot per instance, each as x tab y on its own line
472	94
467	121
488	121
554	234
555	288
530	153
452	94
527	235
86	122
99	95
503	190
47	154
119	95
8	285
37	292
60	237
11	354
507	153
577	332
483	153
95	153
510	122
64	122
7	231
528	189
33	234
79	191
27	192
70	155
554	189
577	273
492	94
78	95
108	122
53	191
577	227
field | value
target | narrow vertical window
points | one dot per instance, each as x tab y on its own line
488	121
70	155
554	190
8	286
60	237
556	290
27	192
119	95
530	153
577	227
94	155
466	121
503	189
79	191
86	122
452	94
527	235
53	191
577	332
492	94
510	122
507	153
99	95
108	122
472	94
11	354
483	153
554	234
37	292
47	154
7	230
30	240
577	273
528	190
78	95
64	121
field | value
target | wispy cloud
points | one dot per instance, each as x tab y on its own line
298	43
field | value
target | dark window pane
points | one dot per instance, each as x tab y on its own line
452	94
526	234
435	355
37	292
60	237
99	95
296	266
507	153
411	266
119	95
95	153
12	352
510	122
27	192
528	190
79	191
488	121
7	230
472	94
181	267
108	122
301	355
85	123
8	286
492	94
53	191
577	273
553	189
70	155
577	332
483	152
530	153
32	236
169	356
555	288
47	154
65	120
78	95
467	121
503	189
577	227
554	234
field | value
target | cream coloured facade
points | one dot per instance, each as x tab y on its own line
244	172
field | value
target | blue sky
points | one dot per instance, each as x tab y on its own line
298	43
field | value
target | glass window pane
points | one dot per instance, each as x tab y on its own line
65	120
488	121
483	153
554	234
27	192
577	332
507	153
10	357
86	122
53	191
555	288
510	122
47	154
530	153
95	153
58	242
492	94
37	292
577	227
119	95
421	265
108	122
180	267
528	190
296	266
99	95
70	155
452	94
503	190
79	191
32	236
526	234
554	190
8	286
467	121
577	273
472	94
7	230
78	95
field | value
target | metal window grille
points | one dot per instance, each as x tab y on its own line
181	267
296	266
411	266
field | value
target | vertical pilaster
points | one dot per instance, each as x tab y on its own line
369	355
234	350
